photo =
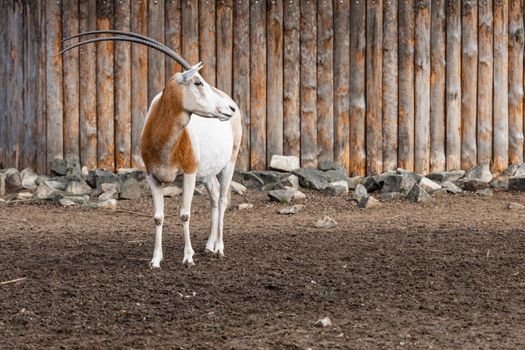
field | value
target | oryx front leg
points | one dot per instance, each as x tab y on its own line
185	213
212	186
225	179
158	204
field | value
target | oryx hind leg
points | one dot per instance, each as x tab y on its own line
212	186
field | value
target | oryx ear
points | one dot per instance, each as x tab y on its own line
187	75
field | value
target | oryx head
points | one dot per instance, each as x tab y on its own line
198	97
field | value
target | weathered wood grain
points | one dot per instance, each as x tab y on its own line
31	68
190	31
54	123
374	92
41	117
516	82
406	85
173	34
241	75
225	45
258	85
291	83
325	81
3	92
485	81
341	83
437	86
15	82
71	82
357	88
390	84
274	78
309	149
156	59
453	80
469	84
139	80
501	108
88	87
422	84
207	38
105	90
123	88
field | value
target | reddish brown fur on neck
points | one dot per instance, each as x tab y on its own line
167	120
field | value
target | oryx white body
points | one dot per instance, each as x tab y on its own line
198	147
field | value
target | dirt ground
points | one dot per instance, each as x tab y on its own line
446	275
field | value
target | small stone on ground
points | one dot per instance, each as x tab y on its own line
326	222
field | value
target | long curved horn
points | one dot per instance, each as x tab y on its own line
134	38
182	62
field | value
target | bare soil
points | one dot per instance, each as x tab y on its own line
446	275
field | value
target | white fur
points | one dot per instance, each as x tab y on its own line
212	142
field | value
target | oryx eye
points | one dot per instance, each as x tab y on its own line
198	83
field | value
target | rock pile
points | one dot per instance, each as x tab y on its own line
70	185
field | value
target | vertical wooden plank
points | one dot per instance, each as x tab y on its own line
341	83
501	111
71	82
31	68
453	79
469	84
105	90
515	82
41	125
190	31
55	138
15	83
357	87
173	36
88	88
225	45
156	59
291	83
437	86
123	88
309	150
390	96
485	76
406	85
274	76
325	83
207	49
258	85
422	84
3	91
374	96
139	80
241	75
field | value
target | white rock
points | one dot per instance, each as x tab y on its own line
107	187
244	206
298	195
65	202
237	188
429	185
326	222
324	322
521	170
44	190
29	178
172	191
107	204
111	194
291	210
24	195
284	163
516	206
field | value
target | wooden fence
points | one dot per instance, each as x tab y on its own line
374	85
